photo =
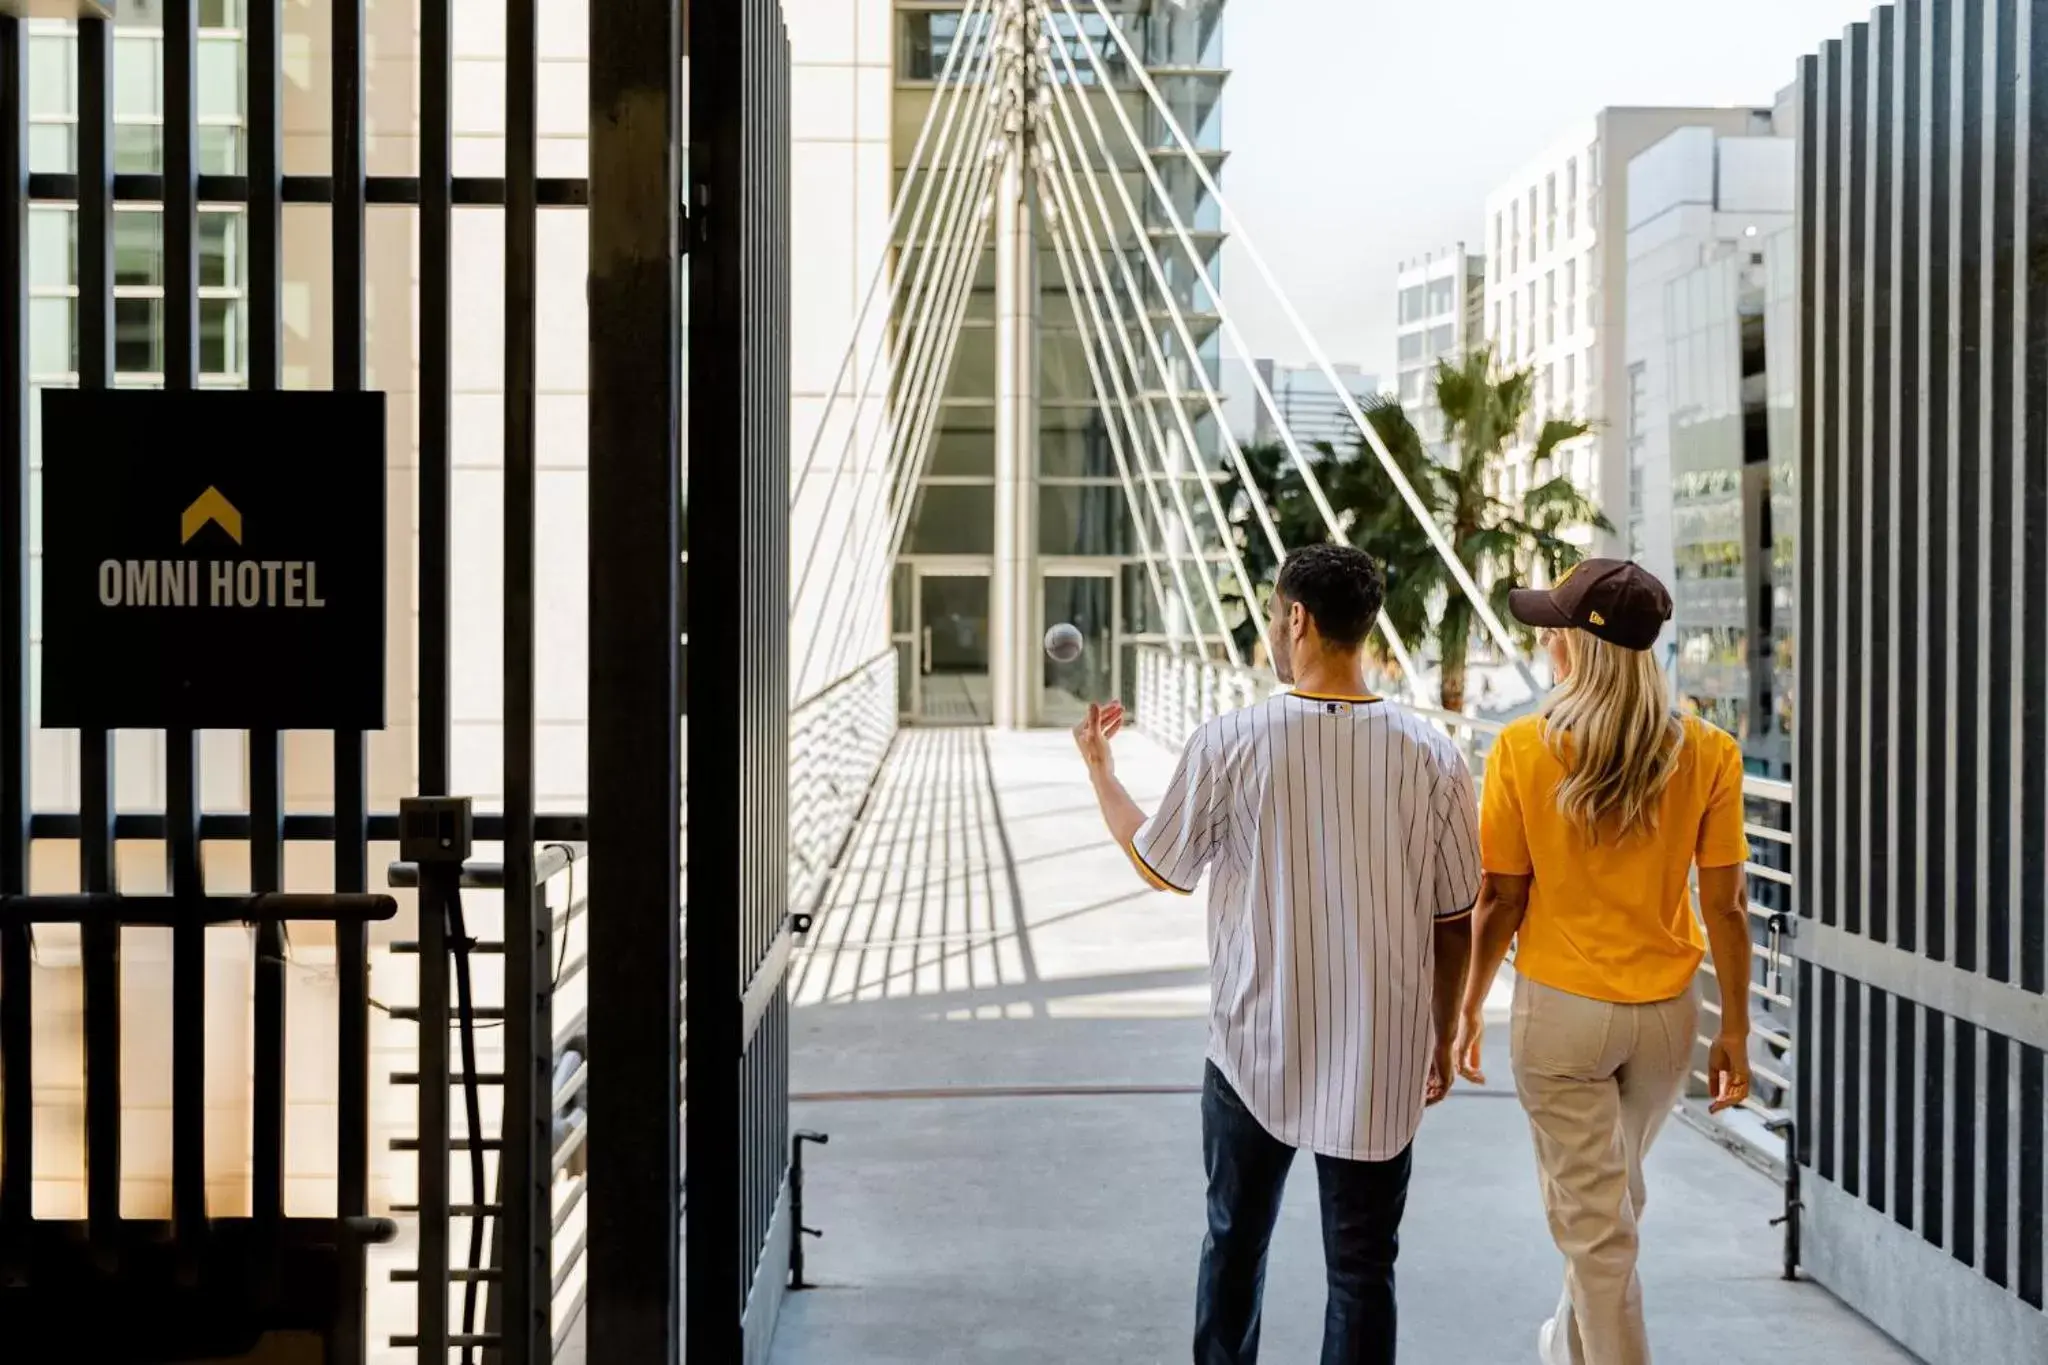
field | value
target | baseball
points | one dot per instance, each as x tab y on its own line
1063	643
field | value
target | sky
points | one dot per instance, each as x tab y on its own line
1365	132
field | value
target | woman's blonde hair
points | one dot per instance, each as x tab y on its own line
1610	725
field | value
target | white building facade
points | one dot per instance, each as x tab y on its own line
1557	281
1440	301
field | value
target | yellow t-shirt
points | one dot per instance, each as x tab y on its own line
1613	921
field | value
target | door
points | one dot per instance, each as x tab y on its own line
1087	600
953	649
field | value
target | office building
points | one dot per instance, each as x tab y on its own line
1440	300
1557	287
1706	420
1310	405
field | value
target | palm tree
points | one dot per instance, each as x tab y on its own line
1497	541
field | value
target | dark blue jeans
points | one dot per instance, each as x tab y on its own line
1362	1204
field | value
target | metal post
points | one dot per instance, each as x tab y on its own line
1016	389
635	736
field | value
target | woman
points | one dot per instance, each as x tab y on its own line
1594	814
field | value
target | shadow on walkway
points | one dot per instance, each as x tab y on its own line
1016	1175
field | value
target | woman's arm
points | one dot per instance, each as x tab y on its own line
1503	901
1724	905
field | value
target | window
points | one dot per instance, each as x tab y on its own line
1550	308
1442	339
1571	297
1442	298
1532	317
1571	199
138	303
1493	332
928	39
1550	212
1412	303
1514	346
1499	250
1409	346
1571	383
1532	223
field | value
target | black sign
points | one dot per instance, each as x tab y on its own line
213	560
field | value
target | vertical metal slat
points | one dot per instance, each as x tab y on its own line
101	936
17	1122
635	741
435	387
526	1226
264	224
351	777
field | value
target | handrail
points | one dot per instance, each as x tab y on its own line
846	679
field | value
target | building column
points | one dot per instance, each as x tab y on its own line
1013	653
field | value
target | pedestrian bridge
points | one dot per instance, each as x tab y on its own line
1001	1030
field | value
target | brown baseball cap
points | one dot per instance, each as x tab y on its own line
1615	600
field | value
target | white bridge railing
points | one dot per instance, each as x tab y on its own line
838	738
1178	693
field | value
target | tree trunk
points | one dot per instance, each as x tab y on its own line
1453	692
1452	644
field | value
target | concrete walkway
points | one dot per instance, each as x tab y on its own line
1001	1030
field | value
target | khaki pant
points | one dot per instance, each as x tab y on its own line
1597	1080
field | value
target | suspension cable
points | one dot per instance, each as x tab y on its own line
1071	279
1103	361
872	580
952	97
954	208
918	401
920	386
1064	97
1094	252
939	261
1207	284
1480	605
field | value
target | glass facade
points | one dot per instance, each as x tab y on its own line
1732	378
1088	557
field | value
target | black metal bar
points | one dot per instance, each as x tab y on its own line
382	827
14	457
351	777
436	892
101	953
435	387
523	1174
17	1094
165	912
188	990
101	940
469	191
635	740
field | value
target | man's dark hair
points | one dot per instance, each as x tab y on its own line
1340	587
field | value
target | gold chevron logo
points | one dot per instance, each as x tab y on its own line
212	506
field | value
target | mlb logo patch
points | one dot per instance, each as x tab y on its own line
1336	708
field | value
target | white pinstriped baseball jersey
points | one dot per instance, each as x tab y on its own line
1340	829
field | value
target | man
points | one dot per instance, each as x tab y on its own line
1344	834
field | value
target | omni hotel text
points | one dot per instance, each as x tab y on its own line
214	583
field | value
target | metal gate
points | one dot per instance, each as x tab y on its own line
1922	832
734	1105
